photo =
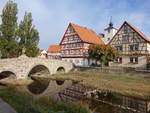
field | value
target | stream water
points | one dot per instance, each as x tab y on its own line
40	85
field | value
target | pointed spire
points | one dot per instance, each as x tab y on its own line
111	24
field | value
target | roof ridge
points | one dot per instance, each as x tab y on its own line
80	26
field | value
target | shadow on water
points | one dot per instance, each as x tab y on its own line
39	85
106	108
60	82
2	84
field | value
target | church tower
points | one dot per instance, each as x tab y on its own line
109	32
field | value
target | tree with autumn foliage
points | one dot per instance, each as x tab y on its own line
102	53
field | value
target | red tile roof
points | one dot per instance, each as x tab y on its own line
54	48
135	29
87	35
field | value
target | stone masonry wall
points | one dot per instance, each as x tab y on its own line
22	65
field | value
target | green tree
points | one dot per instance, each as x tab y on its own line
8	28
102	53
28	36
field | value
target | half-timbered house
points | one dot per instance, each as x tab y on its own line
54	52
133	45
42	54
75	43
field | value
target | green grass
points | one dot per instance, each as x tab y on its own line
122	83
24	103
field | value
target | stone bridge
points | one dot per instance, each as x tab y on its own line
23	66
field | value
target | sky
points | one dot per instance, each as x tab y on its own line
51	17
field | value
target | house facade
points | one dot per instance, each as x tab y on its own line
43	54
75	44
54	52
133	46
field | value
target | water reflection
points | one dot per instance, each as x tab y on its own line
39	85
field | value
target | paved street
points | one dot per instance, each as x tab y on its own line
5	108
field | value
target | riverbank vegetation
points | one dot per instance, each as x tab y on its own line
128	84
25	103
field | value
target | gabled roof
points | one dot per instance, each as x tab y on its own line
54	48
86	35
138	31
135	29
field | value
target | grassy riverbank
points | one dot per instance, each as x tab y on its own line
25	103
122	83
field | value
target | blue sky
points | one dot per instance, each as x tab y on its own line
51	17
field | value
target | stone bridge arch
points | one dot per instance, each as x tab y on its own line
37	68
8	73
60	69
22	65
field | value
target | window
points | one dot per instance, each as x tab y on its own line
71	61
131	47
77	45
71	30
77	61
74	45
125	28
125	38
67	52
119	60
134	47
70	38
75	38
69	46
86	52
119	48
73	52
66	39
77	52
133	59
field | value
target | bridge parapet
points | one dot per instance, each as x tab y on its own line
22	65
